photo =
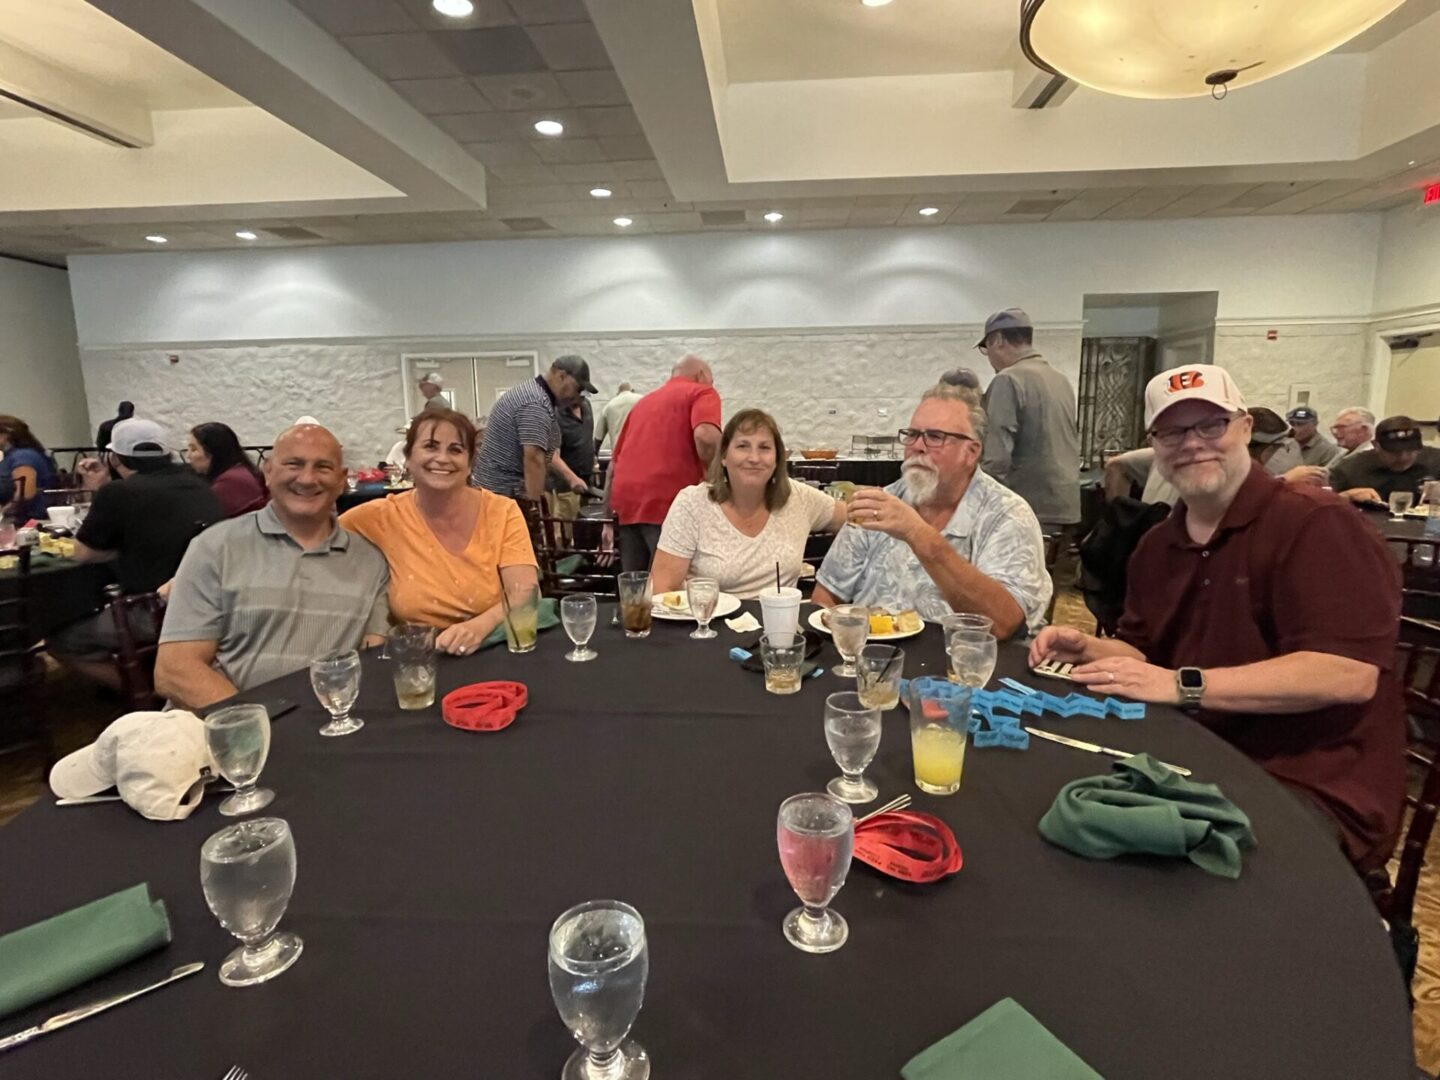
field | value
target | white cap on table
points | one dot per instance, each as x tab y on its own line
157	761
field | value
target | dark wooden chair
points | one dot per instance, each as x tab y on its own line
66	496
818	472
22	671
134	657
1419	561
557	540
1056	546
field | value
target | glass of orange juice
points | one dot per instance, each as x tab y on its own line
939	728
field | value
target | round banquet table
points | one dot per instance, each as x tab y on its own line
432	862
61	591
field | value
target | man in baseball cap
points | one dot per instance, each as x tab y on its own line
1229	614
142	523
1315	448
156	761
1400	461
430	387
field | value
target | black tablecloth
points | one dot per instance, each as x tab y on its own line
61	591
1410	528
432	863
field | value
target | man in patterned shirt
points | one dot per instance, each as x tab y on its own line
523	433
945	536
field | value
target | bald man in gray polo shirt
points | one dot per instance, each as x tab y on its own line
263	594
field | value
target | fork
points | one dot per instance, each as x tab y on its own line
235	1073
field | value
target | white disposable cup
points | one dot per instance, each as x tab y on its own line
780	610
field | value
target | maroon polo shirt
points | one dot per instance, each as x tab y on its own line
1290	569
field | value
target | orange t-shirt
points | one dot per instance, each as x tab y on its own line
429	584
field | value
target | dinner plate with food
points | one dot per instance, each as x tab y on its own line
674	605
884	625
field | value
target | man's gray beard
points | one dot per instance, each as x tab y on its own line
921	484
1189	489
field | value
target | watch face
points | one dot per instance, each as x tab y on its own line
1192	679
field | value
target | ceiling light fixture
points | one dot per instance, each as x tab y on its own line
601	192
929	211
624	222
156	238
1162	49
773	216
245	234
874	3
549	127
454	9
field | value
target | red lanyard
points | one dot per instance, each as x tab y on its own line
486	706
908	845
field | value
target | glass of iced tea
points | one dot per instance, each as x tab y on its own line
635	603
411	648
783	656
522	613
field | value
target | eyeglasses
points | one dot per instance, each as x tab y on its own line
934	438
1209	430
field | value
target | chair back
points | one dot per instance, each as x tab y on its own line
22	674
557	543
1419	561
66	496
134	657
818	472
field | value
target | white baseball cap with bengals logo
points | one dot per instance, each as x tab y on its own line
1193	382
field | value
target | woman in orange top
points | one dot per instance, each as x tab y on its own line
447	542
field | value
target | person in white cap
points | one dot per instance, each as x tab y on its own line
430	389
143	523
157	762
1269	609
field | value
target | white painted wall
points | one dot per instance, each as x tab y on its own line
40	377
1408	272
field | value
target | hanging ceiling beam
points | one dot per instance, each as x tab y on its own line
67	97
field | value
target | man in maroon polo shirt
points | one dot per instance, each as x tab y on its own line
1269	609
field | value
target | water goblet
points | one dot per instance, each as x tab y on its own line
852	732
247	871
577	615
972	657
816	836
238	737
702	594
599	962
849	627
336	681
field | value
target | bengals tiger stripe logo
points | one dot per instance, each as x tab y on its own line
1185	380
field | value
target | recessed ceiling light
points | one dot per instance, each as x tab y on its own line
1412	163
549	127
245	234
929	211
874	3
156	238
624	222
600	192
455	9
773	216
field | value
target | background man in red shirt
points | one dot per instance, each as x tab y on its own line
666	444
1270	609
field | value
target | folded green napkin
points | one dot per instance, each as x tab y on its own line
52	956
546	617
1143	807
1003	1043
568	565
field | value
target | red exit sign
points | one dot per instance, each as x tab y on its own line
1432	195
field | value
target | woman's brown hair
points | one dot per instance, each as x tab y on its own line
463	427
748	421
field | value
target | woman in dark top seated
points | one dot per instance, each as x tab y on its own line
25	471
214	452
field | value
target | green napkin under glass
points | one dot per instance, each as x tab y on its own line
59	953
1141	807
1003	1043
546	615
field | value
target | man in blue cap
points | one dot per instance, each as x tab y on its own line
1315	448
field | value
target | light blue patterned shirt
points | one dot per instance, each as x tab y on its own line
993	529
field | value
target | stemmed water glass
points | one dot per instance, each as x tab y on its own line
598	965
577	615
849	627
702	594
816	836
972	657
852	732
247	871
238	737
336	679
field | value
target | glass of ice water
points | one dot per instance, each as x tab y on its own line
972	657
598	965
336	680
702	594
1400	503
961	622
849	627
816	836
247	871
852	732
577	615
238	737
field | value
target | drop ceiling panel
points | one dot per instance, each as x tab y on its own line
435	97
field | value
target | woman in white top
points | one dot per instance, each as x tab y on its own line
747	516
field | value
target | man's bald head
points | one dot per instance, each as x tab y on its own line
694	369
305	472
311	435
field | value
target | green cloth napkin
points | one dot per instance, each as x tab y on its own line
545	617
1143	807
1003	1043
52	956
568	565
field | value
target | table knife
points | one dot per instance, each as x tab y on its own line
60	1020
1065	740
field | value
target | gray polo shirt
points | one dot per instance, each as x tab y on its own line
1033	445
1320	451
271	606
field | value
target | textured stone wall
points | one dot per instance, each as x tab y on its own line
1333	359
821	387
